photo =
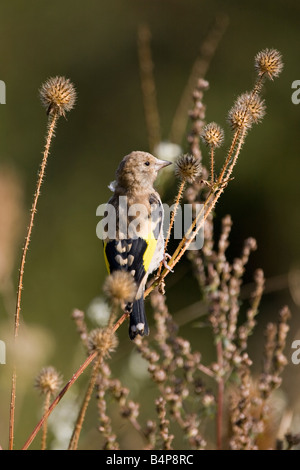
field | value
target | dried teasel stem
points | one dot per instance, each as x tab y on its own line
51	128
58	96
79	422
174	212
45	426
177	202
212	164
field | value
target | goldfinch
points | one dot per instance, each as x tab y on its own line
134	240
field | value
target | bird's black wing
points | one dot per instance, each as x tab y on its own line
126	255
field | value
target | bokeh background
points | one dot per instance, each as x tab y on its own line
94	43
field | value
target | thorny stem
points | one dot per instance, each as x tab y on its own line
177	201
51	128
45	425
229	155
239	131
50	135
189	236
78	426
240	143
212	165
119	322
174	212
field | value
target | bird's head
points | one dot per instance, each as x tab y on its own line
139	170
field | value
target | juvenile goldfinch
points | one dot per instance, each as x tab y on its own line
137	243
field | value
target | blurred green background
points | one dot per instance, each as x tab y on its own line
94	43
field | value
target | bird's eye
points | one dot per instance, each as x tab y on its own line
147	163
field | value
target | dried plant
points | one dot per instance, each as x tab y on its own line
58	96
193	395
47	382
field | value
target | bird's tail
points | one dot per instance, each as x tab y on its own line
138	322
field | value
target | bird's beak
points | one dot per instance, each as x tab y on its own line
159	164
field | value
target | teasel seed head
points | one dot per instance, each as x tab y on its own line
188	168
268	62
120	287
254	104
212	135
48	380
239	116
58	95
102	340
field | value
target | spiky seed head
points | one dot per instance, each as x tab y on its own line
268	62
254	104
239	116
58	95
212	135
102	340
188	168
120	287
48	380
